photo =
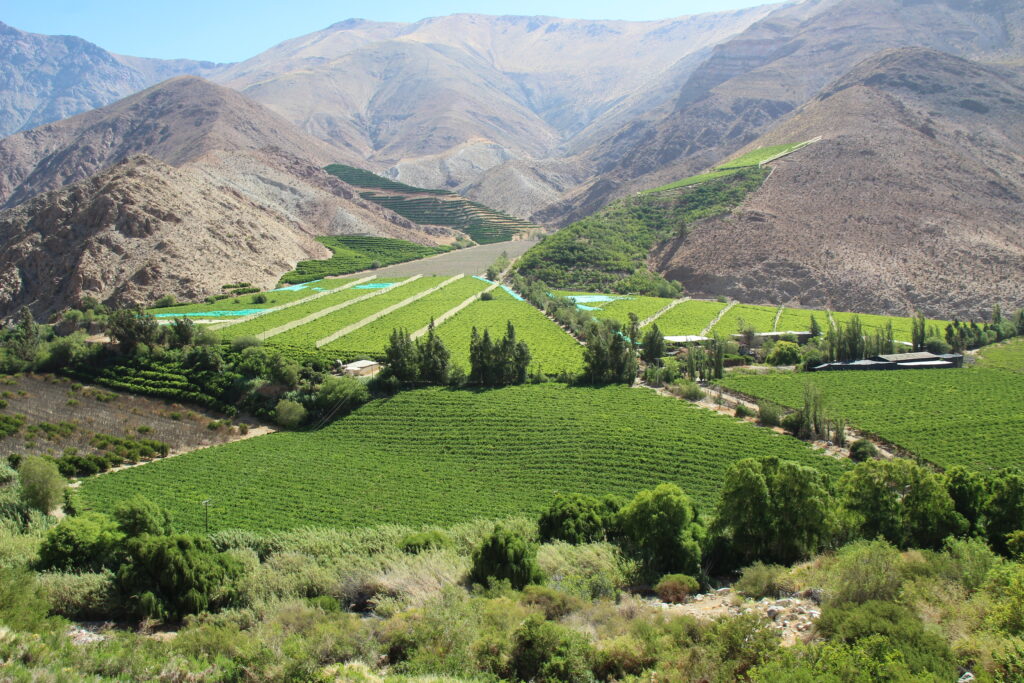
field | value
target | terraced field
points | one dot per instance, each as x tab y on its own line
551	348
306	336
1007	356
247	302
372	339
619	307
439	456
971	417
689	317
761	318
353	253
754	158
799	319
269	321
358	177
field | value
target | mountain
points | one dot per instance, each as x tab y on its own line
444	99
913	199
752	81
47	78
222	146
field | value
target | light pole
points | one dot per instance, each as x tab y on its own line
206	507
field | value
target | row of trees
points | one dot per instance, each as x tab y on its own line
777	511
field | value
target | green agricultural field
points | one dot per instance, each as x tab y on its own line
622	305
372	339
689	317
440	456
269	321
749	159
968	416
1007	356
901	327
358	177
306	336
761	318
275	297
551	348
352	253
799	320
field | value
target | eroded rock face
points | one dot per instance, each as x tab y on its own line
137	231
912	201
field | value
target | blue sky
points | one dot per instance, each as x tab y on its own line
231	30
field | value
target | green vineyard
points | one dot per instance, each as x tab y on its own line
440	456
358	177
352	253
966	417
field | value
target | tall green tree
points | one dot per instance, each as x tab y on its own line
1004	509
42	486
608	356
660	527
653	346
131	327
774	511
900	501
505	555
967	489
433	358
401	356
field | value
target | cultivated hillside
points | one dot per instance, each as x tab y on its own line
762	75
913	199
140	229
46	78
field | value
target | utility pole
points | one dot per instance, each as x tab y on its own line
206	507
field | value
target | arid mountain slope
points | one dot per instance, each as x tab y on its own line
223	145
47	78
139	229
484	89
914	199
762	75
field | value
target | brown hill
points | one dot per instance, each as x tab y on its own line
914	199
46	78
218	139
762	75
140	229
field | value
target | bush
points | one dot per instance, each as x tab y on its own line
866	571
574	519
862	450
289	414
487	296
761	580
768	414
554	603
505	555
676	587
7	474
784	353
743	411
936	345
661	529
239	344
544	651
89	542
137	516
42	487
165	301
91	596
691	391
416	543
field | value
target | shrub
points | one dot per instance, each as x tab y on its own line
89	542
574	519
165	301
743	411
416	543
554	603
289	414
505	555
691	391
784	353
138	516
862	449
42	487
544	651
936	345
676	587
792	423
90	596
487	296
239	344
7	474
761	580
768	414
865	571
660	528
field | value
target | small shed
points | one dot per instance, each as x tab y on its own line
686	339
361	368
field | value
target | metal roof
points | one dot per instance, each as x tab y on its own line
901	357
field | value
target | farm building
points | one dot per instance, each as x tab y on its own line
921	360
361	368
686	339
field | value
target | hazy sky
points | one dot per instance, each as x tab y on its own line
231	30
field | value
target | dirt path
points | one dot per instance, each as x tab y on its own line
721	314
281	329
387	311
724	402
259	430
648	321
306	299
